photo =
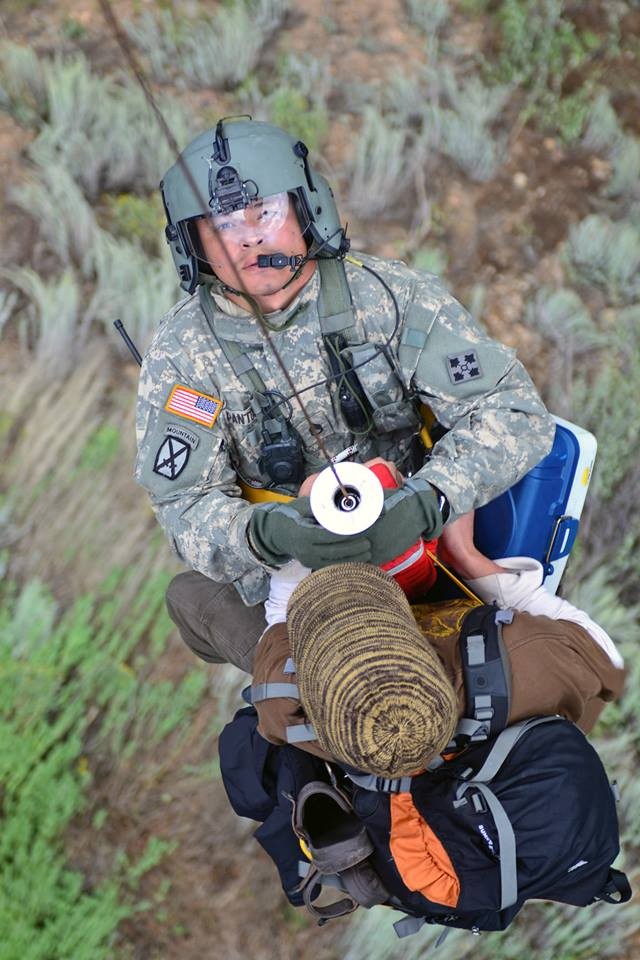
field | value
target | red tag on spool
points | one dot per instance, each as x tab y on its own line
412	570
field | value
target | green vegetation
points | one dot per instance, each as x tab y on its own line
60	675
539	48
139	219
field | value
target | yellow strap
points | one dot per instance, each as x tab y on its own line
259	495
465	589
428	420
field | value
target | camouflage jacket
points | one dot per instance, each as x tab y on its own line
198	434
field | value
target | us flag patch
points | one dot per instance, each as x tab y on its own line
193	405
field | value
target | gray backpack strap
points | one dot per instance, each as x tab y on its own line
335	307
271	691
504	745
506	840
408	926
300	733
486	669
369	781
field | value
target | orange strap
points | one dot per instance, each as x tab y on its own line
422	861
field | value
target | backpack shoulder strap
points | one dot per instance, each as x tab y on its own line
480	782
487	672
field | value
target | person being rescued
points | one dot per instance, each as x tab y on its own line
377	684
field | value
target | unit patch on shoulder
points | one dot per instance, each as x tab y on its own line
193	405
463	366
171	458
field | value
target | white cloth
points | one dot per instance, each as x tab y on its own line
520	587
283	583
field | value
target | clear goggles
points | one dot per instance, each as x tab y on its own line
260	218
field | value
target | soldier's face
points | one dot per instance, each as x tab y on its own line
232	244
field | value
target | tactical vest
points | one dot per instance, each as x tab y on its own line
336	317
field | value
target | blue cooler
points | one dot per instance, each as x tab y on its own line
539	516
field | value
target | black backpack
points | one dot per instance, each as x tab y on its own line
528	814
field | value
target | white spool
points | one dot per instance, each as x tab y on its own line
327	501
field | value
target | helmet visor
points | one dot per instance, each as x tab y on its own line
261	218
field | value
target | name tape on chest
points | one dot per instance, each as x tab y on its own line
193	405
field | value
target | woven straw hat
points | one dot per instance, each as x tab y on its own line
371	685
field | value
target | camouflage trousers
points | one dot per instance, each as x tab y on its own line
213	621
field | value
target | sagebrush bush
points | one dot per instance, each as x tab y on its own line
603	128
102	132
52	320
22	83
606	254
66	222
218	51
378	168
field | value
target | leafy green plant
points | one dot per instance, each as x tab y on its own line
539	47
430	260
136	218
101	449
53	669
297	100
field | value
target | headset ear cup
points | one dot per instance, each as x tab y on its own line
303	216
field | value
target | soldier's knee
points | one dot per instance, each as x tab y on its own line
174	597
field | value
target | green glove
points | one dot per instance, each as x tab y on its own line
281	531
408	513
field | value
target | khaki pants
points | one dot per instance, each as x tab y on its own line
213	621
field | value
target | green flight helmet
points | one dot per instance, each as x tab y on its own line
230	166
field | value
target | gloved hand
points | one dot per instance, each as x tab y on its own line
408	513
282	531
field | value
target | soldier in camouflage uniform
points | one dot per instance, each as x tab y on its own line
365	342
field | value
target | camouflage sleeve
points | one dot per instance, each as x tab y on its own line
184	466
498	427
